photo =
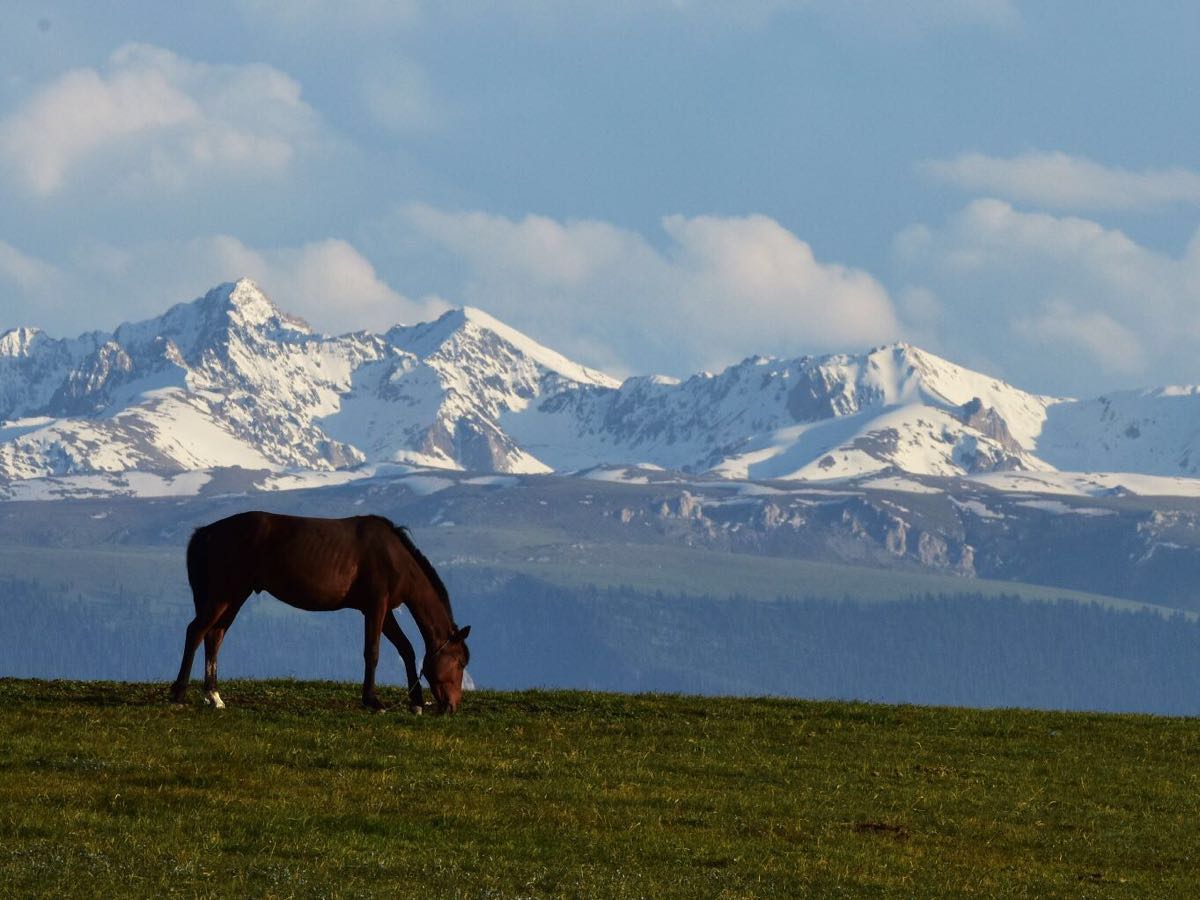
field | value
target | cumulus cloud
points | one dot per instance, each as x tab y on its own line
772	279
1060	181
1098	333
25	272
28	284
150	117
398	95
327	282
722	288
1060	302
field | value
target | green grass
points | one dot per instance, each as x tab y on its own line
105	790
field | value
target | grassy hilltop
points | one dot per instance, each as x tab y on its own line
105	790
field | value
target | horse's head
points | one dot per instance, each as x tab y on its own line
443	669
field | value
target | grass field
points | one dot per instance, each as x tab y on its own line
105	790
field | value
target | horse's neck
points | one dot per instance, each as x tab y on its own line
432	618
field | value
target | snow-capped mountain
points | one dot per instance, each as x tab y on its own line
833	416
229	380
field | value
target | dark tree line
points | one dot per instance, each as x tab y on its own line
965	649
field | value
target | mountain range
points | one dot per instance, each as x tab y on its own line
231	382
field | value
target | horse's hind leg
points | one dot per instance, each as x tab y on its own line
373	626
196	630
391	630
212	646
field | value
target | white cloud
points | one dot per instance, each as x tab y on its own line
723	288
537	249
772	279
26	272
153	118
327	282
1060	302
1059	181
1099	334
27	285
398	95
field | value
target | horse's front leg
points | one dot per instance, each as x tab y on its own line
373	626
391	630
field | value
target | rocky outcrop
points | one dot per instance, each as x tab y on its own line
859	529
990	424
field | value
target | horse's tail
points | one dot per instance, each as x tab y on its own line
197	564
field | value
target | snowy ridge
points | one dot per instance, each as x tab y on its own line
835	416
230	381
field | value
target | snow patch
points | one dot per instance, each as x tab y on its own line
1058	508
906	485
1090	484
424	485
504	481
124	484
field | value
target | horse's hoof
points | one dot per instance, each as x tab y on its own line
373	704
213	699
416	710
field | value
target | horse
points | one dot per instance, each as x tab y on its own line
363	562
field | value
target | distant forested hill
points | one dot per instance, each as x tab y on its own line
965	649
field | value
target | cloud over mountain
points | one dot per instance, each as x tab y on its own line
1060	181
721	288
153	119
1060	299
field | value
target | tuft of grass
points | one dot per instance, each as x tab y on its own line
294	791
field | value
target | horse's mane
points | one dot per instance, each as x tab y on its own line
426	567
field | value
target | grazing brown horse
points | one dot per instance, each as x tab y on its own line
364	563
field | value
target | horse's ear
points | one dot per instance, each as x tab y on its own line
461	634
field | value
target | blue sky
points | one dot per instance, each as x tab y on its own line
645	186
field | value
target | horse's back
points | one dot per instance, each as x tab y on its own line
308	562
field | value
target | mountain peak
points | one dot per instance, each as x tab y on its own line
469	322
250	307
19	341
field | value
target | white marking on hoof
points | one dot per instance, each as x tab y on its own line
213	699
417	710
